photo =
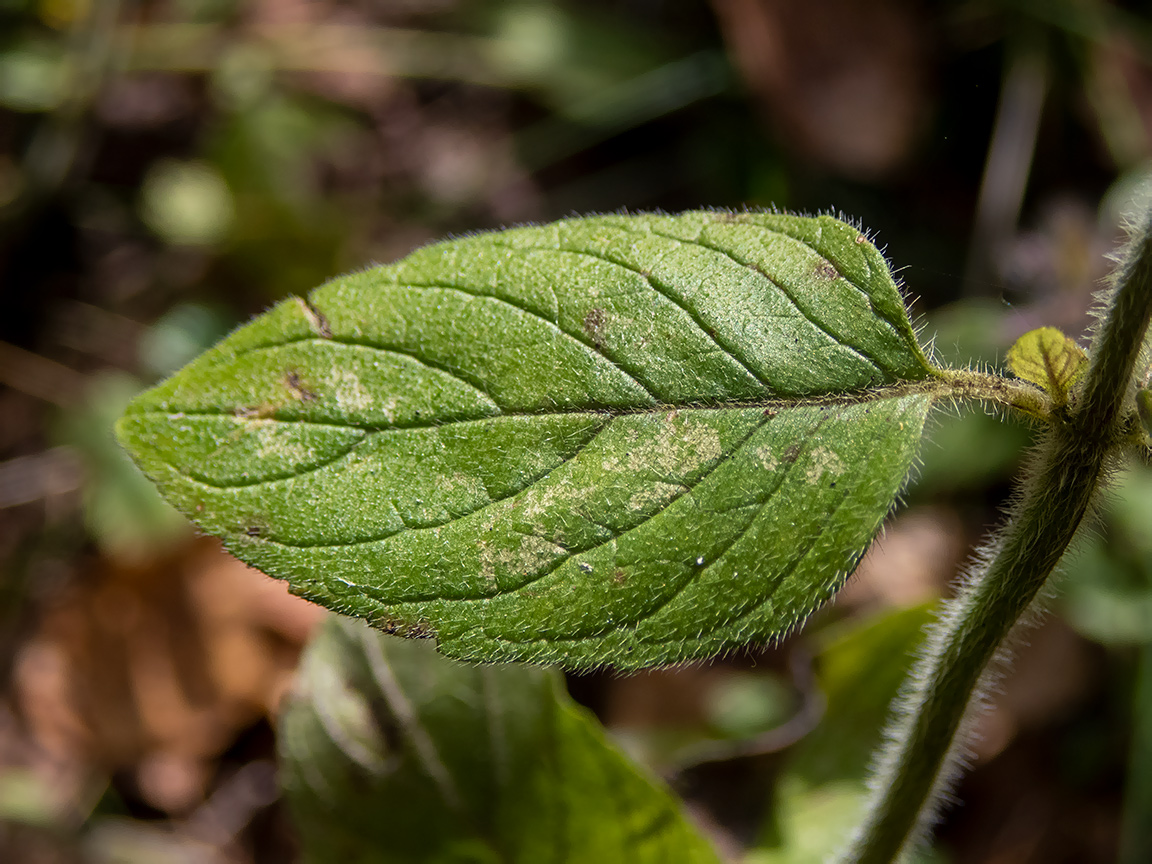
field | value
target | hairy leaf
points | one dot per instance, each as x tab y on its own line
391	753
623	439
1048	359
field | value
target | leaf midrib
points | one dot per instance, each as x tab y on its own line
932	386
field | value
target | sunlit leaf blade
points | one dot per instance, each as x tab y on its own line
390	753
626	440
1048	359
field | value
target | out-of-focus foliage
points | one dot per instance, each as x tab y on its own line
822	787
1107	589
120	512
484	763
169	168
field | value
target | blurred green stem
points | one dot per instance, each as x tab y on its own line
1009	161
1136	827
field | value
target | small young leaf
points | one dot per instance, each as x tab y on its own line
1048	359
624	439
390	753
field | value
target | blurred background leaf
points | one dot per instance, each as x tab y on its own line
469	762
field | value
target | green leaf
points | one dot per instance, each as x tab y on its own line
1049	359
390	753
624	439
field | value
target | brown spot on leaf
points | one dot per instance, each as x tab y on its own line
391	626
316	319
594	323
791	454
619	577
255	412
420	630
293	383
407	629
827	270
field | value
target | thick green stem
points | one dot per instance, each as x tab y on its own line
917	764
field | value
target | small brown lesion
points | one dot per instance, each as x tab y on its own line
390	626
407	629
296	387
297	390
827	270
619	577
255	412
316	319
594	323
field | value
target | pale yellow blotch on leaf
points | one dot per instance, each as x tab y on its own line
1048	359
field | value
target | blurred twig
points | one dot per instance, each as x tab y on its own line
39	476
810	712
360	50
38	376
1009	162
220	820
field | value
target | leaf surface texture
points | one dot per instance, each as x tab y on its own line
627	439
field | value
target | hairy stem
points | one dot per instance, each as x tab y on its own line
1010	393
923	740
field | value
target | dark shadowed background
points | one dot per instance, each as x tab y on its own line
170	168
